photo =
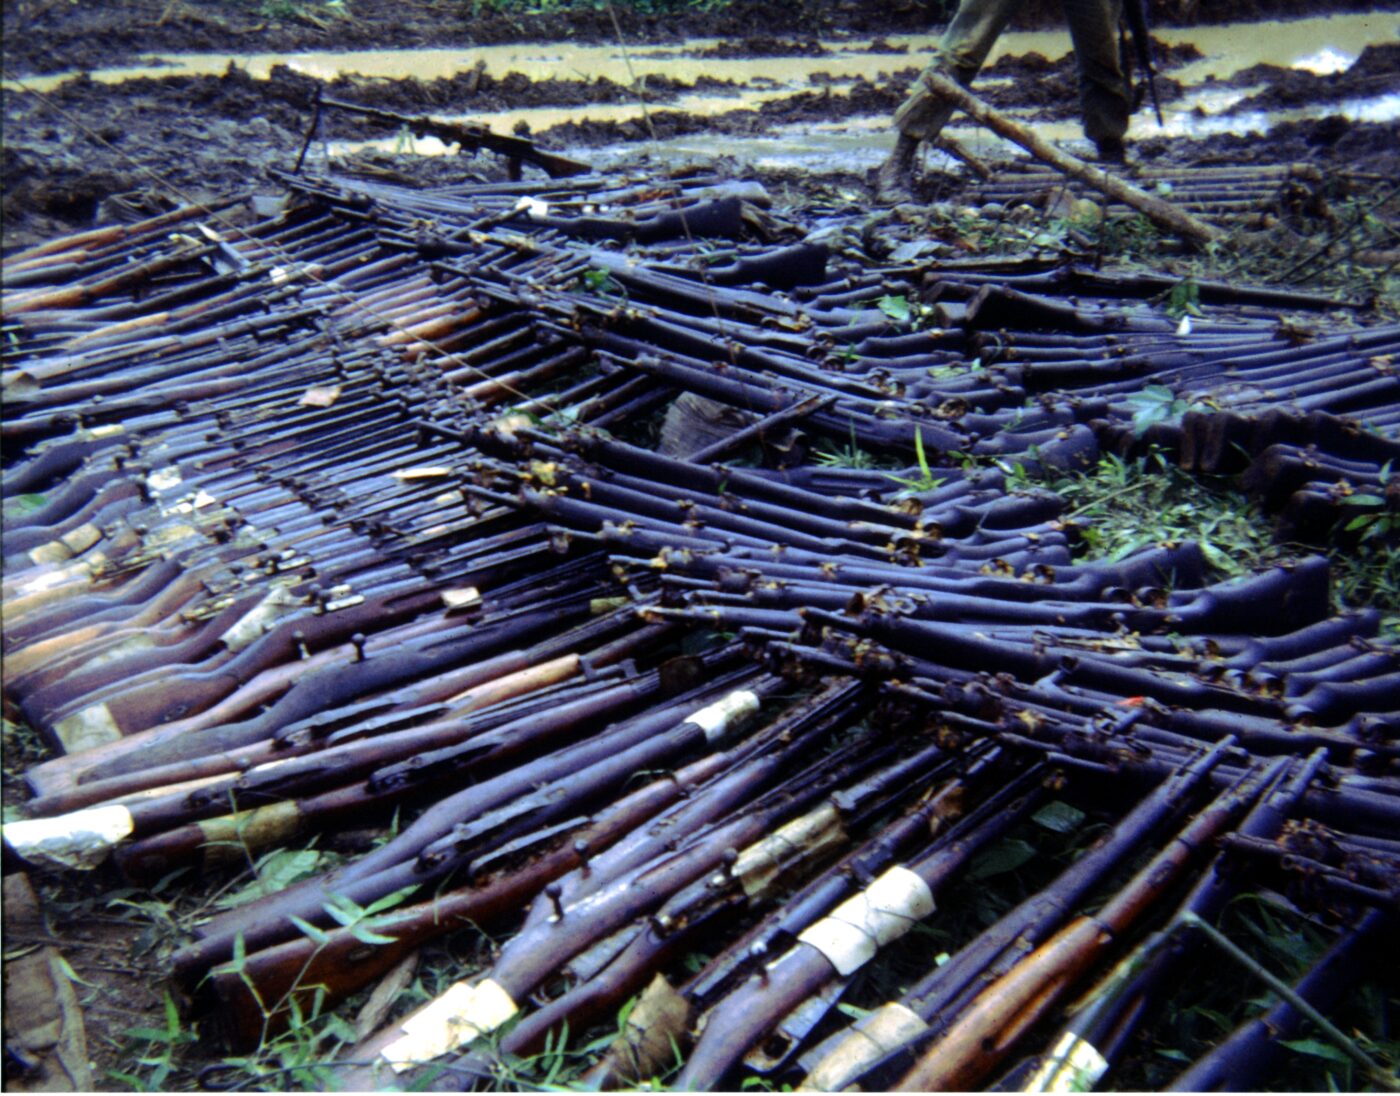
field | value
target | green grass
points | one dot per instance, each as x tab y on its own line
1120	507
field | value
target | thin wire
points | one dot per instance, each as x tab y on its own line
304	270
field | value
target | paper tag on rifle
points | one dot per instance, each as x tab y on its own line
86	728
164	479
461	598
728	712
320	396
807	837
79	840
873	1036
436	471
856	929
1073	1066
260	618
460	1015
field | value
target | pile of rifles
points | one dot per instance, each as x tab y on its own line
350	511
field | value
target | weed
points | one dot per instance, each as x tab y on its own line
1127	238
601	283
926	481
1272	939
896	308
552	7
1158	404
282	10
846	456
1134	504
160	1051
1379	522
1184	299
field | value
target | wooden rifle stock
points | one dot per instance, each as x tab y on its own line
986	1030
343	964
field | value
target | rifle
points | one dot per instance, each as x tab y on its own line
824	952
585	915
1239	1063
1135	13
1124	997
941	997
1008	1007
342	965
749	882
470	136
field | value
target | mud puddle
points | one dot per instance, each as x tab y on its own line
853	141
1322	44
823	108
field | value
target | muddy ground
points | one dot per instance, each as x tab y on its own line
87	152
59	35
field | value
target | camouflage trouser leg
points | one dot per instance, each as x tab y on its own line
960	54
1104	94
1105	97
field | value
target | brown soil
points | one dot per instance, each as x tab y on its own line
91	151
1375	72
54	36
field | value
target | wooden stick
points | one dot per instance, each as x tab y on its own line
1163	214
956	149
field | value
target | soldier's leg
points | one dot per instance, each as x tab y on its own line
1104	93
960	54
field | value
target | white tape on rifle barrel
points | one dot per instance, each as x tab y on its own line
81	839
1075	1065
465	1012
874	1035
856	929
716	719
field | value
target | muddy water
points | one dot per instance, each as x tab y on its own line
1326	44
1322	44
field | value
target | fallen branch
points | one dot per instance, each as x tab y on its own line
956	149
1163	214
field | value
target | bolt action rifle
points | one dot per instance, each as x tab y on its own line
469	136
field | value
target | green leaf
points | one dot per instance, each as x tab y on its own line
339	1028
390	900
343	911
625	1012
317	936
1002	858
365	935
1316	1048
896	308
25	504
150	1034
1059	817
1174	1054
1363	500
276	872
